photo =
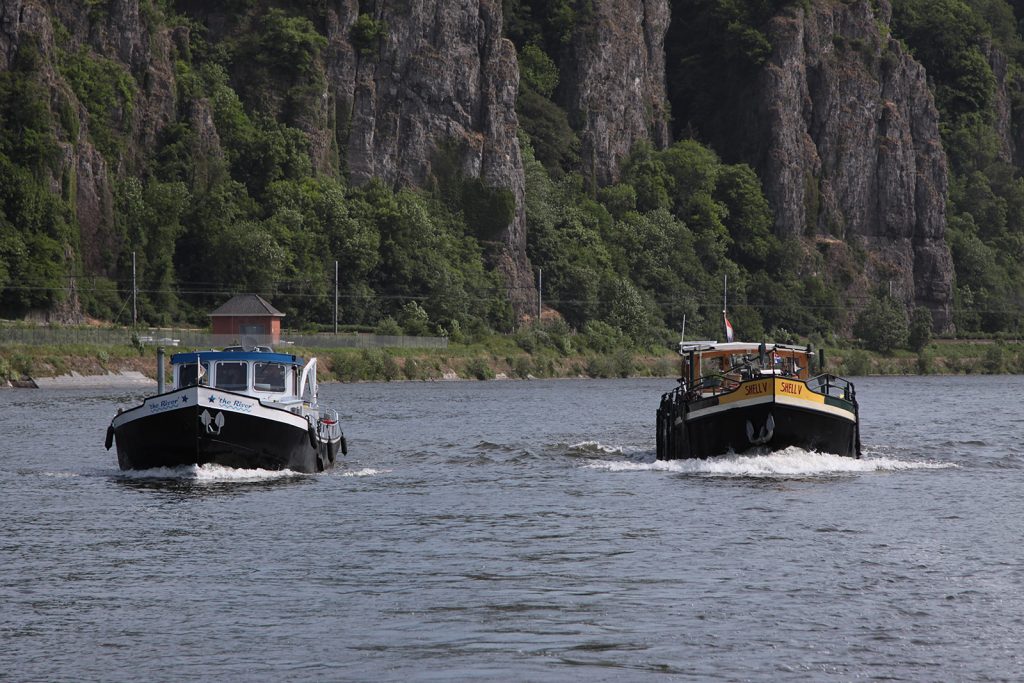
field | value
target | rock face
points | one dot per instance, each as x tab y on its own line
847	140
842	127
615	82
442	77
119	34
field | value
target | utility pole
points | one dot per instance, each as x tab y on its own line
135	294
335	296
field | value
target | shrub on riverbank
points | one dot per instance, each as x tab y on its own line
504	356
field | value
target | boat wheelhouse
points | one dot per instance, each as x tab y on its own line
244	408
736	396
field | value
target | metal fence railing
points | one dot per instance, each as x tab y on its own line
47	335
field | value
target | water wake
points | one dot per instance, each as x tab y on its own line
591	447
789	462
209	473
365	472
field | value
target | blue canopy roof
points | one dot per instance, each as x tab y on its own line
261	356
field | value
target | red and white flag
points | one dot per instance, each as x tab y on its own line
728	328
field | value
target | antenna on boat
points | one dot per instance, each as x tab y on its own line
682	332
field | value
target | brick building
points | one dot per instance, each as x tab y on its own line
248	315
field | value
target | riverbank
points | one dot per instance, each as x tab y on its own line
123	365
84	365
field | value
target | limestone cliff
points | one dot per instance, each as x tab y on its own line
119	35
839	120
847	145
614	80
441	78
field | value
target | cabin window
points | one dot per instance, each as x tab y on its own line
710	366
188	377
269	376
232	376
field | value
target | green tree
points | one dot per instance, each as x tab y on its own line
26	125
538	71
546	125
426	255
36	233
414	320
367	33
882	325
150	219
748	217
919	333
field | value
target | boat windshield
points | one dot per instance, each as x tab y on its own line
743	366
232	375
269	376
188	377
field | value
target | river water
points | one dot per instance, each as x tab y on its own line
521	531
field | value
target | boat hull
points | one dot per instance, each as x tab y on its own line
759	415
205	426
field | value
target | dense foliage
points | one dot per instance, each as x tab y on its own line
627	264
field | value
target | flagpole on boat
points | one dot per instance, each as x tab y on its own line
725	293
725	308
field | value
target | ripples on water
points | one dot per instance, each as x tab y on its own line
521	531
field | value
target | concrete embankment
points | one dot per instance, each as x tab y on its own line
126	379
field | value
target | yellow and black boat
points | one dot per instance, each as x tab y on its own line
736	396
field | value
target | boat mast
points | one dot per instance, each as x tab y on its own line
725	308
725	294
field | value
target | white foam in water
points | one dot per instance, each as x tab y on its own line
209	473
595	447
365	472
788	462
216	473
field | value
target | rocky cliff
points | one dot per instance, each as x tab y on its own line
839	121
442	78
615	82
844	133
120	37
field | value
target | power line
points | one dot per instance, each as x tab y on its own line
708	304
287	287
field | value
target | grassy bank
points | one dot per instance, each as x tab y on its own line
502	357
495	359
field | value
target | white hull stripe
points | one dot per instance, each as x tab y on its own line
781	400
190	399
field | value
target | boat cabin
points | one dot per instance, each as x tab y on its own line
740	361
261	373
